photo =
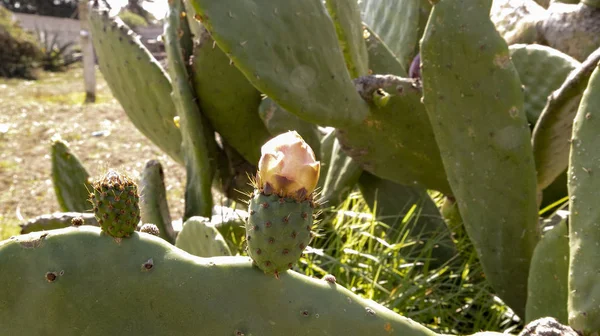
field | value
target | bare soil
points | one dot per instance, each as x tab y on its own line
100	134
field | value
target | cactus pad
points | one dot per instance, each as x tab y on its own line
116	204
70	179
137	81
474	100
277	231
541	70
288	50
397	23
149	287
200	238
227	99
584	227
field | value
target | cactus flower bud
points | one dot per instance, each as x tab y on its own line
288	167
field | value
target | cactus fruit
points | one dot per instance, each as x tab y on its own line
70	179
584	227
297	60
150	229
485	146
281	209
116	204
552	133
541	70
200	238
137	81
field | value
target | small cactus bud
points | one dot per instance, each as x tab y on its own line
288	166
151	229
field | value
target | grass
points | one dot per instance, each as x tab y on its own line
364	254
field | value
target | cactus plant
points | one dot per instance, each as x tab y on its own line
154	207
459	127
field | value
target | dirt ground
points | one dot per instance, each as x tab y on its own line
100	134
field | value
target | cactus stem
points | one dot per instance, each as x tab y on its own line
367	86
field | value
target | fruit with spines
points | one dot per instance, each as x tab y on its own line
281	208
116	204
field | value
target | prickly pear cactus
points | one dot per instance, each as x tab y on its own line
281	210
116	204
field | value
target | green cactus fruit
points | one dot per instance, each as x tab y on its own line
57	220
154	207
584	227
90	285
348	26
516	20
226	97
137	81
541	70
70	179
200	238
278	120
398	23
474	100
199	144
573	28
150	229
552	133
289	51
548	277
116	204
277	231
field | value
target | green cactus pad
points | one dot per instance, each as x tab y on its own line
584	227
137	81
516	20
278	120
116	204
58	281
290	52
474	100
392	202
552	132
381	58
227	99
341	176
395	142
154	207
57	220
548	276
277	231
199	145
70	179
348	25
541	70
200	238
397	23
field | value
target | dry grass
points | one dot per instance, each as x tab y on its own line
100	134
